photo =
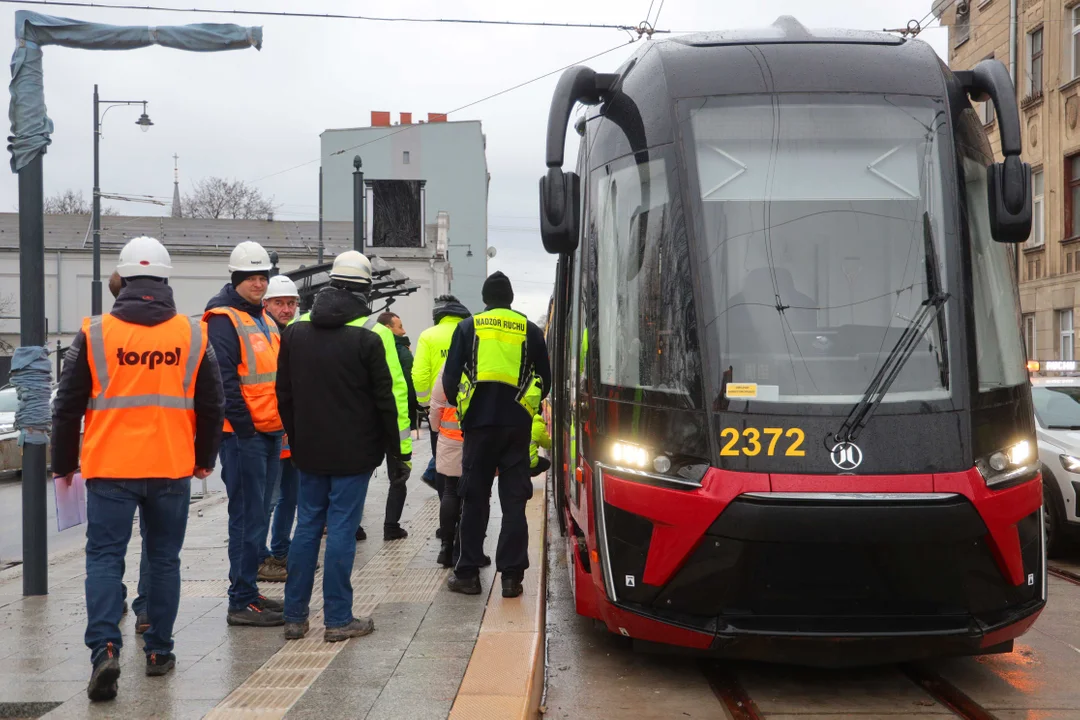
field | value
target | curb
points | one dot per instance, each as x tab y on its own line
505	675
16	572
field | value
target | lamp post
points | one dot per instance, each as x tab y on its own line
358	204
144	124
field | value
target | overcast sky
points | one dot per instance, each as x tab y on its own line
248	114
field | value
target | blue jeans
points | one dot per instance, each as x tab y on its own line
336	502
110	510
248	467
139	605
284	510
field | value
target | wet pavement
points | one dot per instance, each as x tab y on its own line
592	673
410	667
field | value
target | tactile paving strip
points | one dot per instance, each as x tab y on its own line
282	681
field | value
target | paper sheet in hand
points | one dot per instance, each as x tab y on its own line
70	502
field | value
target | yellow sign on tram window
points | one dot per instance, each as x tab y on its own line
741	390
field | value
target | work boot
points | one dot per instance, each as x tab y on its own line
103	679
438	533
272	572
486	561
255	616
142	623
360	534
278	561
158	664
296	631
359	627
446	555
465	586
271	604
394	532
511	586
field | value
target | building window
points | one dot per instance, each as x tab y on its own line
963	22
1029	336
1038	235
405	157
1072	197
1035	63
1065	334
1075	16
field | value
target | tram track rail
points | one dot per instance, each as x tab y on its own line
1063	574
740	705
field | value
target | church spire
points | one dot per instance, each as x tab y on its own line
176	187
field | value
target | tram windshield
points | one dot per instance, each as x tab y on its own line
825	236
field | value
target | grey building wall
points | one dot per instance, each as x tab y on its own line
450	156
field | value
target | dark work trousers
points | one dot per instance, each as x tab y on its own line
395	502
487	449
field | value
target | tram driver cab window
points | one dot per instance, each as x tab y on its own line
815	254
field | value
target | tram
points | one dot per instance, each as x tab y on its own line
792	416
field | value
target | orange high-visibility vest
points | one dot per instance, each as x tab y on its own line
286	451
449	426
257	369
140	421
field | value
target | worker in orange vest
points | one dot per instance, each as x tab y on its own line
149	387
246	341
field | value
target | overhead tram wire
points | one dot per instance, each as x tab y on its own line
405	128
326	16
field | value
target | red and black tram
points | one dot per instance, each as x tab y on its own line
791	411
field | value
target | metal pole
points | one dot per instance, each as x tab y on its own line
32	332
59	355
320	217
358	204
95	284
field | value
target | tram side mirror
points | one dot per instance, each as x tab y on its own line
560	210
1009	189
1008	182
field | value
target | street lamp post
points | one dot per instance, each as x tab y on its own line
144	123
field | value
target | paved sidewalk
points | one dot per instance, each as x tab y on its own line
411	666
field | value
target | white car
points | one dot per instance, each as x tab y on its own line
1057	419
10	454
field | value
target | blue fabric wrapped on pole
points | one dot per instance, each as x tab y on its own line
31	374
30	126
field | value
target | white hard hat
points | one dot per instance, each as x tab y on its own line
249	256
281	286
144	256
351	266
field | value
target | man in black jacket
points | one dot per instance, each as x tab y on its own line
133	370
335	393
497	431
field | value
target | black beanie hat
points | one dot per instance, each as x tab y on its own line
497	290
239	277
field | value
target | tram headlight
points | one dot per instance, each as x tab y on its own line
629	455
1009	466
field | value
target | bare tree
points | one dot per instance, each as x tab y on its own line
7	307
216	197
71	202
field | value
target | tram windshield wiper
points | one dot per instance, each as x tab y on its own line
929	311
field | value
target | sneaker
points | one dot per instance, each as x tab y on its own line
269	572
511	587
254	616
103	679
360	534
359	627
271	604
394	532
296	631
142	623
158	664
465	586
